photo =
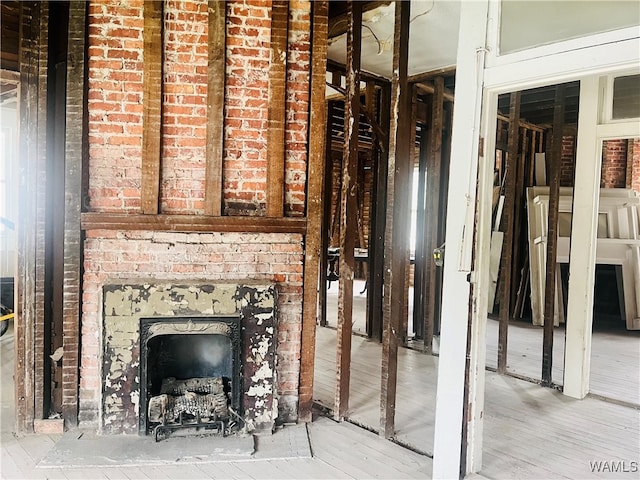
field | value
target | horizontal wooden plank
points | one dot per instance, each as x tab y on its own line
192	223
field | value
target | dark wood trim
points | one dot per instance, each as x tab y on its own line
396	257
277	101
434	180
508	219
315	205
30	308
192	223
555	160
216	69
348	207
152	107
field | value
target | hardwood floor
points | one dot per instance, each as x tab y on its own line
340	450
529	431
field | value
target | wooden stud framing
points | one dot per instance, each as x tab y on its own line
152	106
215	107
378	219
552	234
434	180
314	251
74	153
30	305
396	247
277	98
348	206
508	219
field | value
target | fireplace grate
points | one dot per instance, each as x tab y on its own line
196	404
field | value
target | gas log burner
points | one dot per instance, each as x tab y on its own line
190	375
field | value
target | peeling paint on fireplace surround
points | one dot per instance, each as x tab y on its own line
124	305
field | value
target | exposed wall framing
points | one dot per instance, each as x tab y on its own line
152	106
29	327
348	208
277	97
396	258
315	248
74	160
215	106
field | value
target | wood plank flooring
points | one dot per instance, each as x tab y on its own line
340	450
529	431
615	351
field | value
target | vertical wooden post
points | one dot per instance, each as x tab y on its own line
552	234
348	207
397	222
508	215
152	106
30	276
314	251
277	100
378	219
75	131
215	107
586	202
434	168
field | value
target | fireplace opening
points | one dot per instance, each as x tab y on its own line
190	375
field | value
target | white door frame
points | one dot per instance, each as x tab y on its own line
583	58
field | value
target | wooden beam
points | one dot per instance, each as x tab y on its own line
152	106
430	89
74	153
32	148
215	107
277	101
434	180
314	251
348	206
508	222
396	246
192	223
439	72
555	159
378	221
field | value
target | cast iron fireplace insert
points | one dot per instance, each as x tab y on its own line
190	374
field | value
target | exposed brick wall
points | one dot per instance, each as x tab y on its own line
614	164
568	161
633	164
115	105
141	256
115	65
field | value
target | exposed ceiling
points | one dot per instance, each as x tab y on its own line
433	37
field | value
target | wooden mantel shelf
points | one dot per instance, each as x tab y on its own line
192	223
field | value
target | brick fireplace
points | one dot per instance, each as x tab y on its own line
188	318
134	277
